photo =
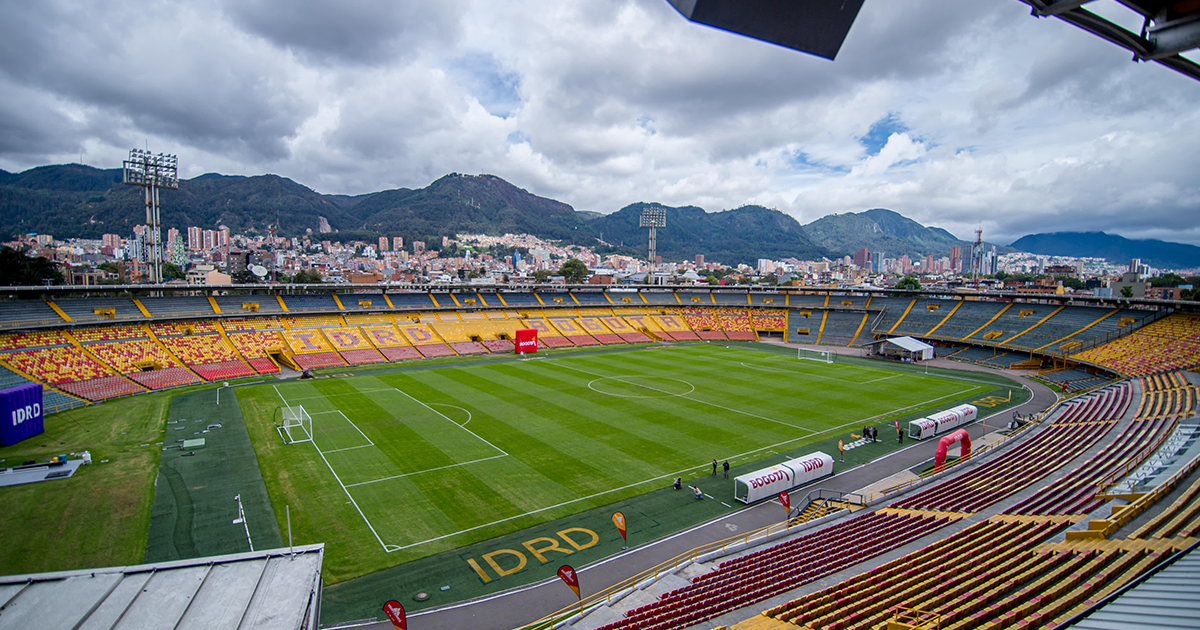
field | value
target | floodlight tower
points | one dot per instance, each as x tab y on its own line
653	217
152	171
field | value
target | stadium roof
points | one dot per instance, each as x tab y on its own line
908	343
817	27
1169	27
264	590
1167	599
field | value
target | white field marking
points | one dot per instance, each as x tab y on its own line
469	417
464	428
348	448
339	411
884	378
344	489
421	472
703	402
621	379
391	548
355	393
726	505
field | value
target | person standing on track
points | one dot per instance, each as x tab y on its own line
714	472
726	467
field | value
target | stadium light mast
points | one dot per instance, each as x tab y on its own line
653	217
152	171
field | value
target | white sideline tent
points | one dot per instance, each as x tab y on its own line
267	590
904	347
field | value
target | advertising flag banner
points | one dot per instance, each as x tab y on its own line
395	614
20	413
897	421
567	574
618	519
527	341
786	500
841	448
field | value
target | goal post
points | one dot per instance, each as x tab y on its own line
812	354
295	425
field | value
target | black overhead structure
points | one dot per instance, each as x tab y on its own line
1169	27
816	27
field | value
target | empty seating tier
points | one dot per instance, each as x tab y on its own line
263	365
257	343
135	355
401	353
30	340
96	309
257	323
250	303
52	399
108	333
469	347
316	360
1079	426
184	306
362	357
840	328
770	319
168	329
21	313
299	303
169	377
58	366
223	370
1170	343
104	388
763	574
200	349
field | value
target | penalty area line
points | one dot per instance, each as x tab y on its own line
421	472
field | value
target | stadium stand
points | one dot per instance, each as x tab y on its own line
410	301
622	329
302	302
705	319
839	328
255	347
362	301
1075	380
84	310
763	574
736	299
694	299
966	319
1170	343
183	306
1015	321
894	310
314	321
849	301
548	336
674	327
360	319
194	327
310	350
808	300
768	319
209	355
659	298
258	323
593	298
32	340
601	333
248	303
24	313
59	365
768	299
108	333
1070	324
570	328
518	298
353	344
52	399
925	315
804	325
103	388
1081	424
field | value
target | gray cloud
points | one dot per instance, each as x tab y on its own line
1000	120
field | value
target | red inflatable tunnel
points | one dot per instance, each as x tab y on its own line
945	443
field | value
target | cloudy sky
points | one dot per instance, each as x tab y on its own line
960	114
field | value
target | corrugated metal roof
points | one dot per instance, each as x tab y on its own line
910	344
1168	599
265	590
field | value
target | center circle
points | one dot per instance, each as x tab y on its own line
641	386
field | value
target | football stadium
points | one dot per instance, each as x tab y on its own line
971	461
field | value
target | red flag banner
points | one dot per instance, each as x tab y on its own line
841	449
395	614
897	421
567	574
786	500
618	519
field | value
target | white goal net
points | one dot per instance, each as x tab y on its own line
296	425
824	356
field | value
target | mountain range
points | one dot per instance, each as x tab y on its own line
74	200
1117	249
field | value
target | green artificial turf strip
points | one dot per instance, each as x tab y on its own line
545	444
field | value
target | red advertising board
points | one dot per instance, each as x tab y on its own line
527	341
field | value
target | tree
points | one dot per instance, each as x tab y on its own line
574	271
540	275
909	283
769	279
171	271
1074	283
712	281
307	276
1127	291
1167	280
17	269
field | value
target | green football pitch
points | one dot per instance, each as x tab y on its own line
409	463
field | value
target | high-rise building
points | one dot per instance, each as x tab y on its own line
172	236
397	243
861	257
195	238
699	260
877	262
418	247
111	240
383	243
956	258
208	240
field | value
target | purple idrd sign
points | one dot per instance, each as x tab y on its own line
20	413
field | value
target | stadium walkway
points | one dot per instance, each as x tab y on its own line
522	605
